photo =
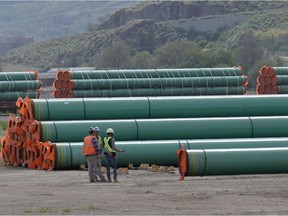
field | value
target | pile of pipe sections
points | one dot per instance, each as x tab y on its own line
272	80
150	82
214	130
17	84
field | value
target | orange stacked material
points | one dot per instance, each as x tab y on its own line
272	80
265	81
60	85
20	145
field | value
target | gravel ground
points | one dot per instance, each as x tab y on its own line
141	192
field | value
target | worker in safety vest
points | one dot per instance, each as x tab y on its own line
92	153
110	154
100	145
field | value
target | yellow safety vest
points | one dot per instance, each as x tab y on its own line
106	144
99	141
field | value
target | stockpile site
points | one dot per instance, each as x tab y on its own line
195	143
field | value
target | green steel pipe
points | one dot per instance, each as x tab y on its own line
236	143
270	126
156	82
161	152
282	79
13	76
10	96
160	92
152	73
165	129
159	107
282	89
149	129
90	108
280	70
69	155
75	131
19	85
203	162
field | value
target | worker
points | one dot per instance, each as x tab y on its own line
110	154
100	145
92	152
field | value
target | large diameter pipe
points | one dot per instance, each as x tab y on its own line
140	92
75	131
89	108
161	152
282	89
282	79
13	76
14	95
148	129
19	85
158	107
157	82
152	73
280	70
270	126
165	129
69	155
203	162
235	143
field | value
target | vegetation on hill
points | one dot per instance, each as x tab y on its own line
140	37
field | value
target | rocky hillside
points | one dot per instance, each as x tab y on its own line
149	25
44	20
164	11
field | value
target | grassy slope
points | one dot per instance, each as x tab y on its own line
88	44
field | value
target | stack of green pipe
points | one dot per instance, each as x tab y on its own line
152	82
69	155
18	84
165	129
282	79
159	107
153	73
131	83
280	70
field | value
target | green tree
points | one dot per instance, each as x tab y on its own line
141	60
250	51
115	56
173	54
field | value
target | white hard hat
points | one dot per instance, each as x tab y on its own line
97	129
110	130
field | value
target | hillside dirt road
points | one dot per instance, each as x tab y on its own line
24	191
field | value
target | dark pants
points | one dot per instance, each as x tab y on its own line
111	161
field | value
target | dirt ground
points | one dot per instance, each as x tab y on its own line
141	192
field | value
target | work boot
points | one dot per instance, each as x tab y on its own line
91	180
109	180
116	181
103	180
